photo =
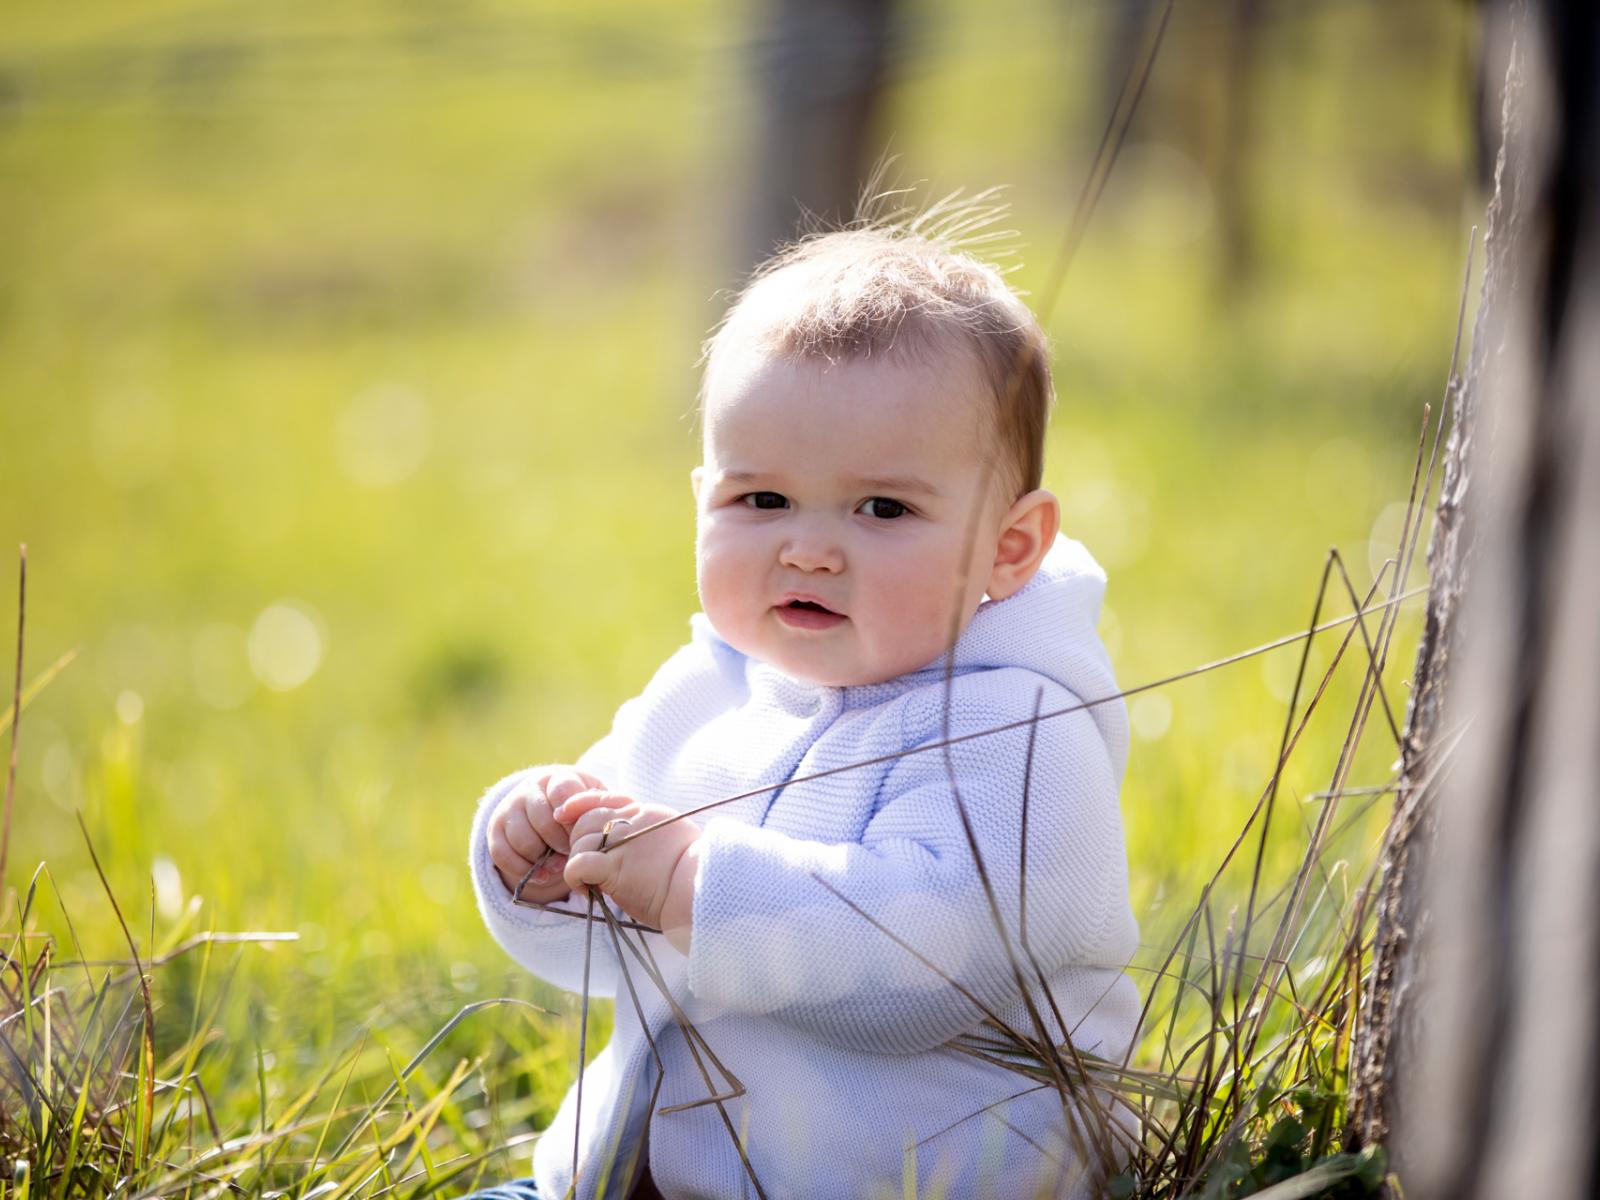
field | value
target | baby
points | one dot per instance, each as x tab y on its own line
880	573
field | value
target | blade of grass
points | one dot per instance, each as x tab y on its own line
16	711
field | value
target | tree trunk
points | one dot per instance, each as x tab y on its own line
821	68
1478	1060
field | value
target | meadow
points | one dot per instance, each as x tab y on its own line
347	363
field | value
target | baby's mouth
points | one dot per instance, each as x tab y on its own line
808	614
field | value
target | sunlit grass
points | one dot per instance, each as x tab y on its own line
211	276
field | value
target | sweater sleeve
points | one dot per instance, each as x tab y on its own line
770	938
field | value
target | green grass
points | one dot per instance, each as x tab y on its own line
226	228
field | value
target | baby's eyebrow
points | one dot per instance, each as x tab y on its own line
899	483
905	484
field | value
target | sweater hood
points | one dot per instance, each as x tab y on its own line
1048	627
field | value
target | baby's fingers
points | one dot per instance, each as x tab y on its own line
571	813
540	817
537	869
511	864
564	783
590	868
590	864
529	820
604	826
518	832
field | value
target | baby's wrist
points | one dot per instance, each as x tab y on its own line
677	910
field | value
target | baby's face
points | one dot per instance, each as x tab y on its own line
835	506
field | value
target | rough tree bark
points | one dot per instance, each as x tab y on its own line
1478	1061
1389	1032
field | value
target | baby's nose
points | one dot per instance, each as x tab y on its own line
812	551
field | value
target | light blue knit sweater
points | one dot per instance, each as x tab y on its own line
837	1034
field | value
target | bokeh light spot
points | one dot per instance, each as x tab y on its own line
130	707
1151	716
169	887
383	435
1278	672
285	646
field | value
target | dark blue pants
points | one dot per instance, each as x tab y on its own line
513	1189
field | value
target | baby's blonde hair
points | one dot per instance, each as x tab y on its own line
908	286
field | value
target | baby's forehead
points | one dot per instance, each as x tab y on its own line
914	357
760	383
877	415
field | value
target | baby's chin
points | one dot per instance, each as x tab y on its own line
839	676
807	670
830	680
839	670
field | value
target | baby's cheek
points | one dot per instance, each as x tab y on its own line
920	627
727	584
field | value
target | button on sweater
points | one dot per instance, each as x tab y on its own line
841	1037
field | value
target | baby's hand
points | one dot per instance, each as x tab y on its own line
650	877
523	831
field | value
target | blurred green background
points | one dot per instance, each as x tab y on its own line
347	354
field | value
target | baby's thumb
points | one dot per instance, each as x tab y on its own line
588	868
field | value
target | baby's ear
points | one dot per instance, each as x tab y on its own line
1026	534
695	476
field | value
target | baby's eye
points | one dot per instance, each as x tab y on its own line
765	500
883	508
